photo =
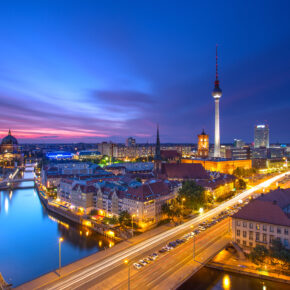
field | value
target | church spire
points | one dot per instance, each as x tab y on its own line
157	148
9	132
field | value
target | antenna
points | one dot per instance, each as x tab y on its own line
216	64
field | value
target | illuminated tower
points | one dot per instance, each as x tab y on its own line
217	93
202	145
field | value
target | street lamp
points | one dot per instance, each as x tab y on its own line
126	262
60	240
193	245
132	225
201	210
182	200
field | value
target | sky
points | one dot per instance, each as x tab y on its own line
88	71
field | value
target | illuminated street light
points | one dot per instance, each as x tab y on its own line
60	240
133	215
182	200
201	210
126	262
193	245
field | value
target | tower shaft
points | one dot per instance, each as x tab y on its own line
217	129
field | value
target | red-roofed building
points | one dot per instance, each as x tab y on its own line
263	220
170	155
183	171
144	202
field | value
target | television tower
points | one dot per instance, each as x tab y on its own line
217	93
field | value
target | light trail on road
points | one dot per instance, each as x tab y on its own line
91	272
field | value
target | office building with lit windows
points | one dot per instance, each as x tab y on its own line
261	136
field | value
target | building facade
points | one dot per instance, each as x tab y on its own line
261	136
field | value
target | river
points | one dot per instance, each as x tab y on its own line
212	279
29	237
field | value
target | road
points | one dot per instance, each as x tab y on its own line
170	268
89	273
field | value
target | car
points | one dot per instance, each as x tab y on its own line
153	257
162	251
155	254
137	266
178	241
172	244
142	262
168	248
147	260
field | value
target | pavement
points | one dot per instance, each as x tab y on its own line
229	261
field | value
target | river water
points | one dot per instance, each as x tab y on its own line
29	237
212	279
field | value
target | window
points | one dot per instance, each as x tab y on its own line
251	225
238	223
264	238
264	228
257	236
251	236
257	226
271	229
279	239
250	244
244	243
238	241
244	234
271	238
286	243
286	231
238	233
244	224
278	230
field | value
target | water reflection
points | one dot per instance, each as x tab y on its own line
211	279
29	237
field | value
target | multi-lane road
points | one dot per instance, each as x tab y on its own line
91	272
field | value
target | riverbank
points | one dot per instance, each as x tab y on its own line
229	261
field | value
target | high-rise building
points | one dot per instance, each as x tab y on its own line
202	145
217	93
130	142
238	143
261	136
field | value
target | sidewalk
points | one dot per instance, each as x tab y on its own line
227	261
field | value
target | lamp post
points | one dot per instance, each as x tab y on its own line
193	245
133	225
60	240
126	262
182	200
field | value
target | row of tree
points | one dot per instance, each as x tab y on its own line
277	255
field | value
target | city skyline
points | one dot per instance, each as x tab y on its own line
109	74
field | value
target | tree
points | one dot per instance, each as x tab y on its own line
194	195
241	184
173	210
258	254
125	219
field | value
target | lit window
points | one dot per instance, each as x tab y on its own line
257	226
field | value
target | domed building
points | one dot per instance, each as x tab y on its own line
10	154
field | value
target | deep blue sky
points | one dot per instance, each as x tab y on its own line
104	70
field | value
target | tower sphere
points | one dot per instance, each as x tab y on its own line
217	92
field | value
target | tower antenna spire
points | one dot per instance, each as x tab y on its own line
216	64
